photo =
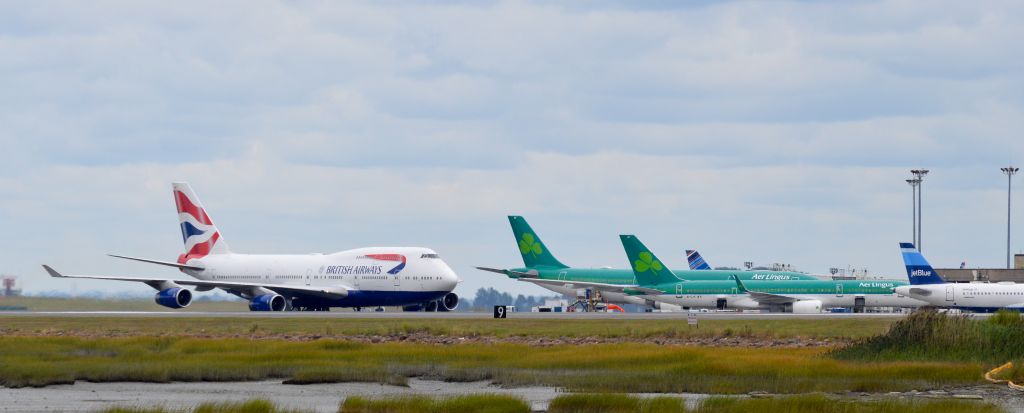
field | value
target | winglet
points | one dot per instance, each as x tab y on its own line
739	284
53	272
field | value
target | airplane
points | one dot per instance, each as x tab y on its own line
926	285
412	277
657	282
696	261
543	269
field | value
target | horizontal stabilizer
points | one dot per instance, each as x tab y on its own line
157	262
494	270
579	284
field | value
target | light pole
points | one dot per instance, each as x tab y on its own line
1009	171
919	174
913	205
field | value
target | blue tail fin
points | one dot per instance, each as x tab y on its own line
696	261
919	271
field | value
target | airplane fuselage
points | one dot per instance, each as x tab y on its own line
368	276
845	293
984	297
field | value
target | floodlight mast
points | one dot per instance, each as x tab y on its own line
913	205
919	175
1009	171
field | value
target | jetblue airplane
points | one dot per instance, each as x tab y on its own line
926	285
415	278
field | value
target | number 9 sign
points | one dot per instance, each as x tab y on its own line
500	311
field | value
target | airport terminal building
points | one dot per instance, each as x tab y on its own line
1016	274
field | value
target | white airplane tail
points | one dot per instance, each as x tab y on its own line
201	236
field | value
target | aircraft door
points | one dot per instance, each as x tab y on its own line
309	275
679	290
949	293
561	276
839	290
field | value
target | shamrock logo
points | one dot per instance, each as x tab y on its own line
529	245
647	262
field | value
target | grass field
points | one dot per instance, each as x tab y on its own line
623	367
340	328
607	403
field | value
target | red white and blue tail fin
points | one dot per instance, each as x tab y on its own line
197	229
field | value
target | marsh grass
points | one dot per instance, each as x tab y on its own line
615	403
340	328
823	404
483	403
248	406
929	335
626	367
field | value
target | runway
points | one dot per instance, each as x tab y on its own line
682	316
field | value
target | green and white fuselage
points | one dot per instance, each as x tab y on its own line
658	283
569	281
795	296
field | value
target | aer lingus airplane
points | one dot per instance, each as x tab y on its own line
543	269
416	278
658	283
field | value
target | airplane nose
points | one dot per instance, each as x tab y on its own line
451	279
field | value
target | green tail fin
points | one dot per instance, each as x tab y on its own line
535	253
647	268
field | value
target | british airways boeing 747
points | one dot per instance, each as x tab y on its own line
412	277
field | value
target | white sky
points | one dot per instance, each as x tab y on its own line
763	131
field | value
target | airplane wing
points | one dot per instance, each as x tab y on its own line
158	262
764	298
580	284
644	291
768	298
162	283
924	292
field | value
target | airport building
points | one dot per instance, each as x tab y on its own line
1016	274
9	285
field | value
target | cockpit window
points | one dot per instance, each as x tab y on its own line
430	256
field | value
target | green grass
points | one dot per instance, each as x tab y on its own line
840	330
625	367
929	335
615	403
484	403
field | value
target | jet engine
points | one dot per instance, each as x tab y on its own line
267	302
663	306
449	302
806	307
174	297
